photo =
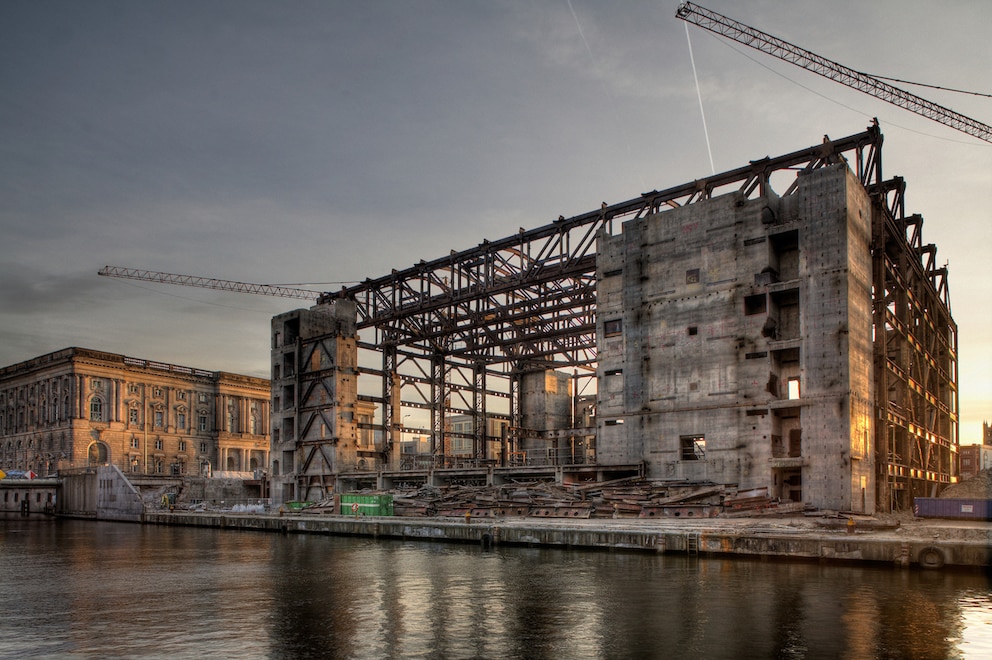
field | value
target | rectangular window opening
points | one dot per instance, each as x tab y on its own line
693	447
793	388
756	304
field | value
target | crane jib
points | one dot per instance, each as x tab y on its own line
863	82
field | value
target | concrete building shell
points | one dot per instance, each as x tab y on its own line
79	407
800	342
735	343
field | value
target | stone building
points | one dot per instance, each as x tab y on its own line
974	459
79	407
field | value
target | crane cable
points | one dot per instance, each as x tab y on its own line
919	84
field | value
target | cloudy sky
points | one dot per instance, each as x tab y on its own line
325	142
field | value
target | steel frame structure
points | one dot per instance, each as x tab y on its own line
449	329
456	334
915	357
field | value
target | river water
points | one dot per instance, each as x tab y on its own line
118	590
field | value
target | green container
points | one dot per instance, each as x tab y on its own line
296	506
367	505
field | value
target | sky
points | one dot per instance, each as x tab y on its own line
321	143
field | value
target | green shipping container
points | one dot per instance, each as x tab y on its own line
367	505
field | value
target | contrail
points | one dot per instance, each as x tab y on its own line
700	95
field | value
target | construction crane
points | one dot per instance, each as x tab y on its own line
209	283
766	43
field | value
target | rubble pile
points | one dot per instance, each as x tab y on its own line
978	487
632	497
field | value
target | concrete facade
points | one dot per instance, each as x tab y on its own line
735	343
78	407
315	422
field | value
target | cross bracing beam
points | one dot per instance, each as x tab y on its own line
530	297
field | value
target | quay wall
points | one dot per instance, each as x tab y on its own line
799	544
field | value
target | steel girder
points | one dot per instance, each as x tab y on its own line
915	349
530	298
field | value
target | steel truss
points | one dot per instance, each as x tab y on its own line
915	357
528	301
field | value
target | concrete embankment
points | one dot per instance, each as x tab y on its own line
934	544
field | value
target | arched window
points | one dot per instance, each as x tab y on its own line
65	407
96	409
98	454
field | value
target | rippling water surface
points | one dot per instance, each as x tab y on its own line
116	590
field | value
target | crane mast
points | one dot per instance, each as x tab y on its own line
208	283
766	43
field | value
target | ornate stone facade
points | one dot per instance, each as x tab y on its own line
79	407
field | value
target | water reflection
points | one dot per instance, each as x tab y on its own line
118	590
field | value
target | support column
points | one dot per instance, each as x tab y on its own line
438	394
479	421
390	408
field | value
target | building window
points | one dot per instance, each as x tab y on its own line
693	447
692	276
159	418
181	420
97	384
134	443
756	304
160	445
201	397
182	445
202	424
793	388
203	448
96	409
132	416
157	392
613	327
181	395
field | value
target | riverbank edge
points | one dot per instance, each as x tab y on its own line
732	539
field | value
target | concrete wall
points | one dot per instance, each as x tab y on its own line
735	343
40	495
545	404
116	497
314	395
